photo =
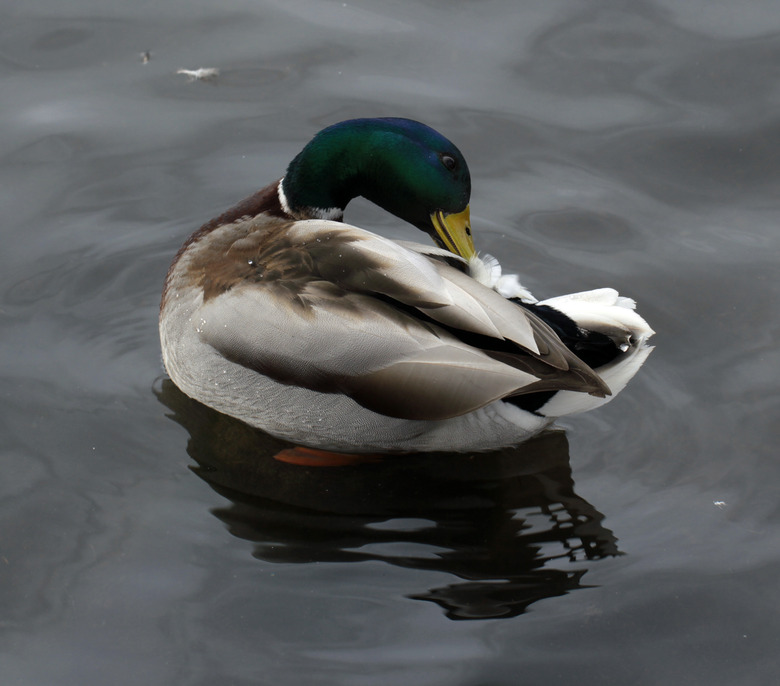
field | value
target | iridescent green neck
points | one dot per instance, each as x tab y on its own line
401	165
323	176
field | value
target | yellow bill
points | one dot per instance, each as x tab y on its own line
454	232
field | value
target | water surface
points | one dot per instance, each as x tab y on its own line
146	539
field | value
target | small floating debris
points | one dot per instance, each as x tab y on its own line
720	504
202	74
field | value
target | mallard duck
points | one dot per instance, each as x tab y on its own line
330	336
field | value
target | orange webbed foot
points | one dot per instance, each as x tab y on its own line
313	457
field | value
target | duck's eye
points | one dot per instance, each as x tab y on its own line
449	162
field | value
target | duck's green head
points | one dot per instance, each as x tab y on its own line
401	165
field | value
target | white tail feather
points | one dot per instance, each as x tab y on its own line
605	311
616	375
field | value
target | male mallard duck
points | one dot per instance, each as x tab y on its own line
331	336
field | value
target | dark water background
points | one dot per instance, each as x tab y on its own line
147	540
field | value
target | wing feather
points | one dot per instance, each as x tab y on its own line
340	310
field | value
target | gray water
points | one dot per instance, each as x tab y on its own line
145	539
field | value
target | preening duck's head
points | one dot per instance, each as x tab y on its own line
401	165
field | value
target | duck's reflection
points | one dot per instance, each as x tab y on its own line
507	524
